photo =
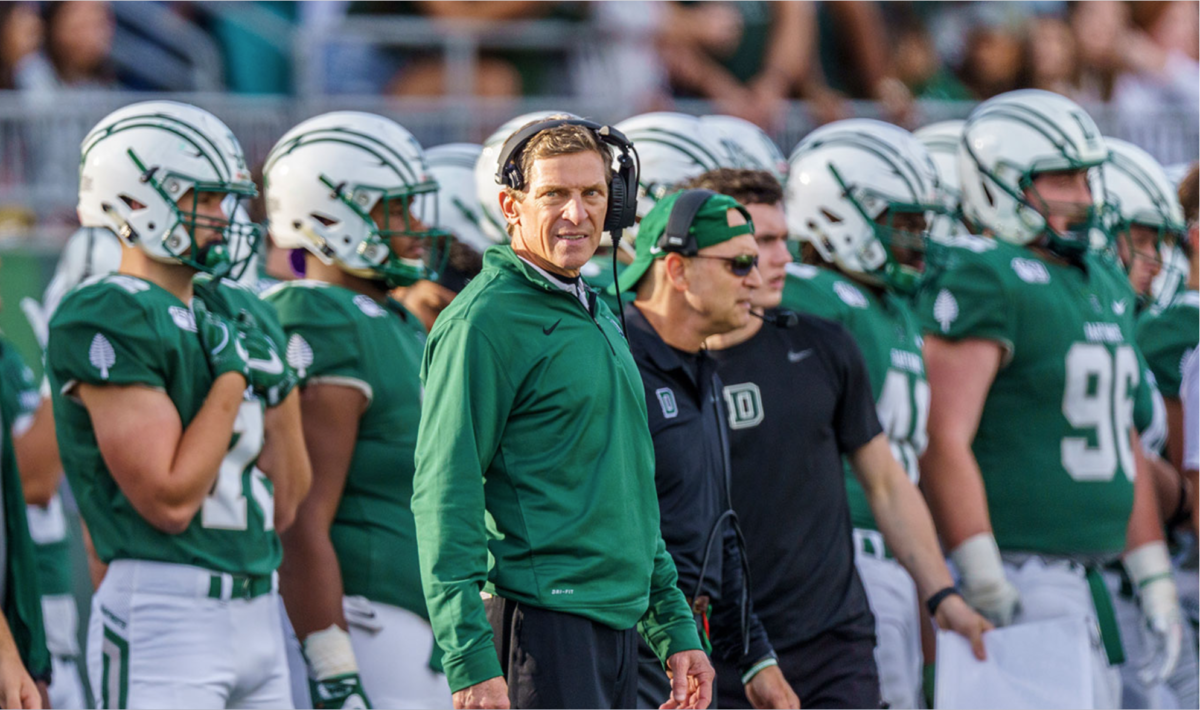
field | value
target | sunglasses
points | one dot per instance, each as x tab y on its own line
740	265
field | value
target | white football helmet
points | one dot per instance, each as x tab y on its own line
492	221
325	176
672	149
941	139
747	146
141	159
1007	141
847	174
453	166
1138	191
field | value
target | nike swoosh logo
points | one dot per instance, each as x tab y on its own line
797	357
548	329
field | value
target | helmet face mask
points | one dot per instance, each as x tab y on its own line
863	193
145	171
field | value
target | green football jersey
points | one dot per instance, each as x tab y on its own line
1052	443
887	332
1166	335
122	330
338	336
47	526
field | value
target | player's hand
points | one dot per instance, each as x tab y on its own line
220	338
342	691
954	614
491	693
984	585
1163	631
266	372
769	689
17	689
692	677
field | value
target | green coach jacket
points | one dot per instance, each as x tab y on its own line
535	470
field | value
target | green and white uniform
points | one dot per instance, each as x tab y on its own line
180	620
886	330
48	529
1166	335
1053	441
341	337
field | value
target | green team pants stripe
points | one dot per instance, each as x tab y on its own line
114	674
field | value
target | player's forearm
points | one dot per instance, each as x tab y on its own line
953	488
1145	521
37	457
198	457
310	578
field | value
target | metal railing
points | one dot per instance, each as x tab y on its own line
40	136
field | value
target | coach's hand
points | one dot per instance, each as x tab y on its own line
954	614
769	689
491	693
692	677
17	689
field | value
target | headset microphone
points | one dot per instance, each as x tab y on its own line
779	319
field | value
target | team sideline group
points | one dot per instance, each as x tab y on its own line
604	416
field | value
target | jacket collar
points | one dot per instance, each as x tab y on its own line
646	344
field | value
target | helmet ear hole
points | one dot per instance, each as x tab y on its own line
832	217
130	202
325	221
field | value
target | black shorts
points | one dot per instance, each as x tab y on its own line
835	669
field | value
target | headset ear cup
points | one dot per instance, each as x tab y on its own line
615	215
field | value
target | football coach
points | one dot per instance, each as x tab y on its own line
534	464
695	272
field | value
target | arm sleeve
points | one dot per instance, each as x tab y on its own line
968	301
1190	394
668	624
469	397
855	420
317	342
104	340
727	612
1163	342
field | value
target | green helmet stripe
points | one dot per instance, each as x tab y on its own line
689	147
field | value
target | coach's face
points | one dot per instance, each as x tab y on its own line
715	289
557	224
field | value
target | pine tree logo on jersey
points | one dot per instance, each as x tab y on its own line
945	309
852	296
101	355
299	354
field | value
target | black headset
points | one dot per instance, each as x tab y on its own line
678	237
622	189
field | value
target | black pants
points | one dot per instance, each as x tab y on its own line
835	669
551	659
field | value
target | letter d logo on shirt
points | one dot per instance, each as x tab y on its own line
744	402
666	398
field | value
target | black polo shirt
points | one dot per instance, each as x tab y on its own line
798	398
691	475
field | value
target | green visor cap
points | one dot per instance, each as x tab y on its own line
709	228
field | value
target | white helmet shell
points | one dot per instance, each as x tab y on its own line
1010	138
842	177
453	166
323	178
672	148
747	146
492	221
139	160
1136	188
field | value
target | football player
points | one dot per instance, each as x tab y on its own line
353	189
941	139
1031	449
159	402
1143	217
861	194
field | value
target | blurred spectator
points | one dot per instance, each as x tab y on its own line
1098	28
747	57
79	38
20	39
916	63
1051	58
498	73
992	63
1159	55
